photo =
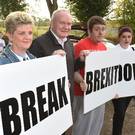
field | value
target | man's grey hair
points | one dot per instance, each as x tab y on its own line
56	12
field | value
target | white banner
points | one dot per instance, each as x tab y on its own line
108	73
34	97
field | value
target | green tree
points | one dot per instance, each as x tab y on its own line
7	6
84	9
125	12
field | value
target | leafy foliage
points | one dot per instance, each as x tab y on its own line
125	12
7	6
84	9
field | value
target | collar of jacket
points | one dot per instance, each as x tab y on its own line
11	56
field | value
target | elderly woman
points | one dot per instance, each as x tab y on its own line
19	29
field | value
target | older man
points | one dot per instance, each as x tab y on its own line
55	41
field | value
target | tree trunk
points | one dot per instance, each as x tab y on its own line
52	5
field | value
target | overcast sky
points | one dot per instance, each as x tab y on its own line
39	7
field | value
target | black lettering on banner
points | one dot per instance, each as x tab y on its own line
9	108
41	102
103	78
120	73
89	78
112	75
96	80
28	102
108	79
61	91
8	116
115	73
127	72
109	76
134	70
52	98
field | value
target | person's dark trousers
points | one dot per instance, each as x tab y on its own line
120	106
63	134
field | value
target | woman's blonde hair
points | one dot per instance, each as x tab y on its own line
17	18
